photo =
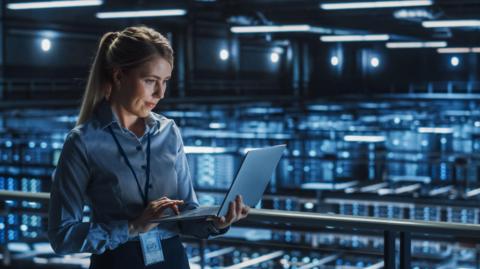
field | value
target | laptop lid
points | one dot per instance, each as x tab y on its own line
253	176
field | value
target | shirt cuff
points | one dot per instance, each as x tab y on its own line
214	231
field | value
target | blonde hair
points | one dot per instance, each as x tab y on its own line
125	50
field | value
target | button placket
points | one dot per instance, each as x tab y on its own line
143	154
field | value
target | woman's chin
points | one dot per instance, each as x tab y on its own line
142	112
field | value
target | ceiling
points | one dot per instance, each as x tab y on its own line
267	12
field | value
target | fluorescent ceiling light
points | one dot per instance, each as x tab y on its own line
141	13
411	45
203	150
458	50
54	4
412	14
375	4
435	130
277	29
364	138
451	23
354	38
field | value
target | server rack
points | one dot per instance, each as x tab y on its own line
404	159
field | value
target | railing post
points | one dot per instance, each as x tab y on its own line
389	249
202	248
405	250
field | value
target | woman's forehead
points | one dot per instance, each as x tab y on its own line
156	66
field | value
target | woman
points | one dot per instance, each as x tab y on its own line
127	163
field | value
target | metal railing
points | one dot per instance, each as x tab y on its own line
392	228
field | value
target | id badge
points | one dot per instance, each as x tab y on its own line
151	247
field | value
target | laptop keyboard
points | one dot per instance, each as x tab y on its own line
208	210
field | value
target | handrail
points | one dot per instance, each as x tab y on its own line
327	220
390	227
370	223
20	196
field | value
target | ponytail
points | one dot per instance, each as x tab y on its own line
98	79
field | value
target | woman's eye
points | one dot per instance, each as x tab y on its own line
150	81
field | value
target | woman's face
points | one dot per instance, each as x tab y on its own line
138	90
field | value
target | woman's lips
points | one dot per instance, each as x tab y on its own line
151	105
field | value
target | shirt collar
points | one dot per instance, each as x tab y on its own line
107	117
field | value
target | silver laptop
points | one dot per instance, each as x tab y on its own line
251	180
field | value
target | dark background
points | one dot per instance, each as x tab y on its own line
303	70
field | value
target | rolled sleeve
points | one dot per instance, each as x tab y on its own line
66	231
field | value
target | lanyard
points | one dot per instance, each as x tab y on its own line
147	182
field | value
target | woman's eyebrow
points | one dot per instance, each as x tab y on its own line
157	77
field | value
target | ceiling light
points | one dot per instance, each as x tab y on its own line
412	14
354	38
274	57
451	23
375	4
454	50
435	130
54	4
278	28
364	138
374	62
46	44
454	61
334	61
203	150
224	54
411	45
141	13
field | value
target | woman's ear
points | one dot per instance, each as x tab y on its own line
117	75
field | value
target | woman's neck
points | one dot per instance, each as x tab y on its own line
128	120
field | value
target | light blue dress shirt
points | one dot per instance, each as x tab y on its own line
91	171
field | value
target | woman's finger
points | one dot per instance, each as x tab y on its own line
221	220
234	212
176	210
164	206
163	198
245	210
155	203
239	206
243	214
170	201
231	212
160	210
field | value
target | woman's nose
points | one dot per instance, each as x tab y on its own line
159	91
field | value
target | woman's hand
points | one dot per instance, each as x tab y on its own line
154	210
236	211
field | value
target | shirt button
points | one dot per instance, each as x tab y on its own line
139	148
150	186
144	167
